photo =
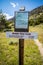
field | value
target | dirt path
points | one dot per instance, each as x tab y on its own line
39	46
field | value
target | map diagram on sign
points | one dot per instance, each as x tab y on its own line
21	20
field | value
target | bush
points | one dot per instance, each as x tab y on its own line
31	22
13	43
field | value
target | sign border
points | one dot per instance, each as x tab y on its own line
21	29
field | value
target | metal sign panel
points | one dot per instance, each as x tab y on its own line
22	35
21	20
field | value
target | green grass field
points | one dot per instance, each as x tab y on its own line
9	53
39	30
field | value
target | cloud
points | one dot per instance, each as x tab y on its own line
7	16
14	4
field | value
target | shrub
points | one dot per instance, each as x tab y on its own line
13	43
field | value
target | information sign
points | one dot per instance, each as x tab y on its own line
22	35
21	20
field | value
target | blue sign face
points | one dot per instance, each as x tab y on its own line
21	20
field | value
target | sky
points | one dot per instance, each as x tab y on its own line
8	7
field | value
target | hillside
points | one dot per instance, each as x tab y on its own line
36	16
37	10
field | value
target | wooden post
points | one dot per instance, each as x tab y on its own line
21	51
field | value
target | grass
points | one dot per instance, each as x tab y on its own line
9	53
31	54
39	30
